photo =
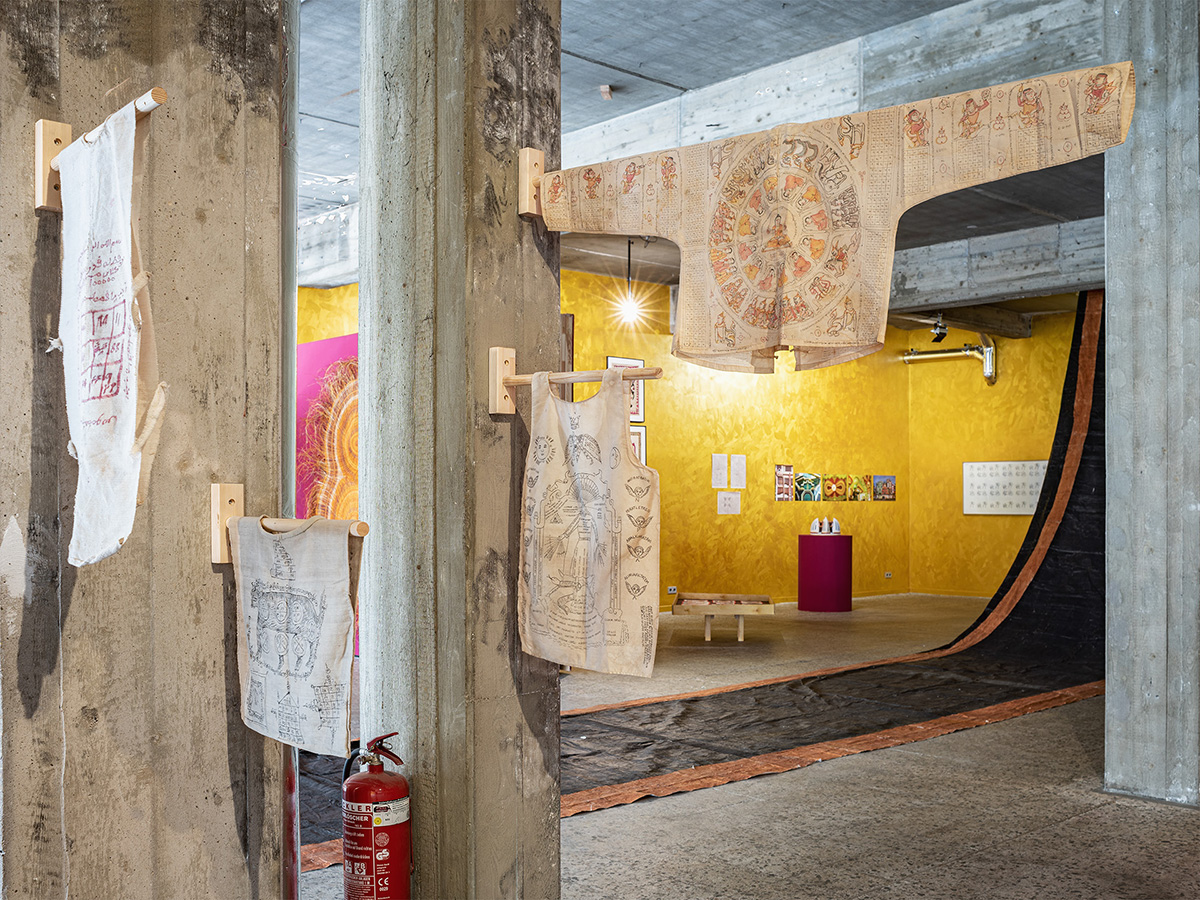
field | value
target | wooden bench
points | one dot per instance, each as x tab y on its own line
709	605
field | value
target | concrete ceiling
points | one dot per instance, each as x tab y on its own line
648	52
683	45
329	95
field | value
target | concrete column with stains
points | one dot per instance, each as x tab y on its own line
450	92
127	771
1152	321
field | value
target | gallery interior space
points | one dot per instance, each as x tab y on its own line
849	548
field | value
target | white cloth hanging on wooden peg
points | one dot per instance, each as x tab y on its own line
114	398
587	593
295	601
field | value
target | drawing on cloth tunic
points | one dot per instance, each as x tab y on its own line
113	396
786	236
588	591
296	640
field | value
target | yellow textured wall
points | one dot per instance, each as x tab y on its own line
851	418
954	417
326	313
873	416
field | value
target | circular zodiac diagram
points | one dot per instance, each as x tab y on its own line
784	235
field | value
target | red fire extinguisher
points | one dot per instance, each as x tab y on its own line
376	831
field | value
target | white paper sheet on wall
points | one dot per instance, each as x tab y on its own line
1002	488
729	503
720	471
737	472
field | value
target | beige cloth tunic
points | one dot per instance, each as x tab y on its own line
786	236
295	600
588	591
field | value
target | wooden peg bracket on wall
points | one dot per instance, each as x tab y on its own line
502	364
228	501
531	165
50	138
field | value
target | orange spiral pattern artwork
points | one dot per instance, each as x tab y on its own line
330	458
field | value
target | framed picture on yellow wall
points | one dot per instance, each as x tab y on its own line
637	435
859	487
637	389
785	482
885	487
808	486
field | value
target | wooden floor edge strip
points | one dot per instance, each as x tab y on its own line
799	757
321	856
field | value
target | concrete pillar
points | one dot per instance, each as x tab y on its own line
450	92
1152	731
127	771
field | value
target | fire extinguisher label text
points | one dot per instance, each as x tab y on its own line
391	813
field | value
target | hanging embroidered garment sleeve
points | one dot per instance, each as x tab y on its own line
786	237
106	336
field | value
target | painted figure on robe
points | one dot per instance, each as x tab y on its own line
970	117
630	177
779	236
1029	101
916	127
592	180
1099	88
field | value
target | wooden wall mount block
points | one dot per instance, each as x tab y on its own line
502	362
49	139
531	164
227	500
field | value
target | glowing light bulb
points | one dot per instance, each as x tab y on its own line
629	310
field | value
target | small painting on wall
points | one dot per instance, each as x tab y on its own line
833	487
808	486
885	487
637	389
858	487
785	483
637	435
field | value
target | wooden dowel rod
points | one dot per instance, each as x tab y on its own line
150	101
588	375
358	528
145	104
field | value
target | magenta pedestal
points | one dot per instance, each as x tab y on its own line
824	572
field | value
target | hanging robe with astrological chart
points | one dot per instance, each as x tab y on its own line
588	591
786	236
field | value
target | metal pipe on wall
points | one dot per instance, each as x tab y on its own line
288	215
984	351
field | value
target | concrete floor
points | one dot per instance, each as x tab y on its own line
787	643
1010	811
